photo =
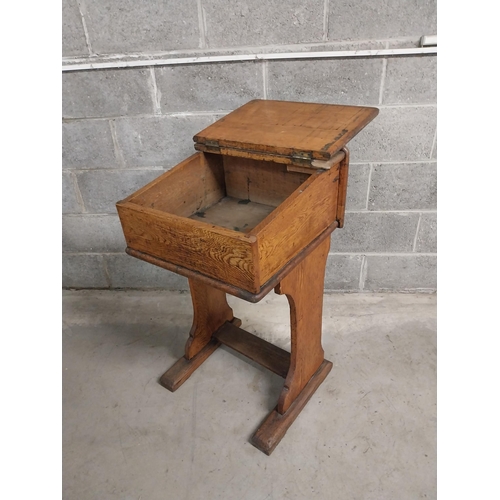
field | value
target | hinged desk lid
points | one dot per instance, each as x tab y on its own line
294	130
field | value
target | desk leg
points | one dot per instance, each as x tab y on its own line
303	287
211	311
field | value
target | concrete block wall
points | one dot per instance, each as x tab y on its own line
124	127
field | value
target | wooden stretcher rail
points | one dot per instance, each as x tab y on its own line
259	350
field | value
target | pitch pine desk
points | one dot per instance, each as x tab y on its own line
250	212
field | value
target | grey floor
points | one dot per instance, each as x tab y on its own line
369	432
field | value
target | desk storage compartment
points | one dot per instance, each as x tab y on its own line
237	220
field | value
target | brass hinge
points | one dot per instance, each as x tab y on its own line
301	156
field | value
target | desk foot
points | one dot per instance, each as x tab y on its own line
274	427
178	373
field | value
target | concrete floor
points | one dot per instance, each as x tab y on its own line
369	432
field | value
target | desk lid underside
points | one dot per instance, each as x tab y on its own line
292	129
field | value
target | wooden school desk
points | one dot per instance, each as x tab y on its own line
252	211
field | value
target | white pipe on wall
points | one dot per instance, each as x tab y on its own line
428	40
248	57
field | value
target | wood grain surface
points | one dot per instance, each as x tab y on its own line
191	186
228	287
214	251
297	221
274	427
232	213
290	129
303	287
183	368
260	181
259	350
210	312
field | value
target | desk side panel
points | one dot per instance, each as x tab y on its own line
192	185
214	252
297	221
